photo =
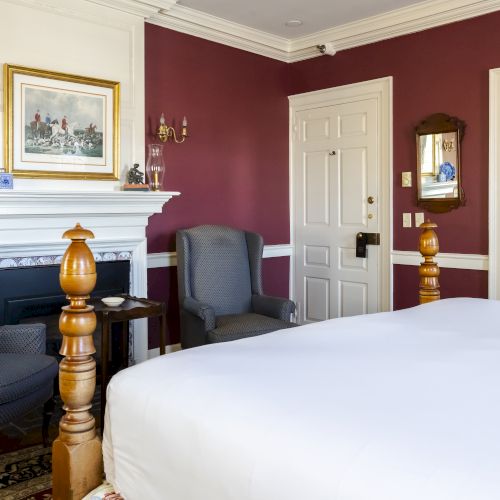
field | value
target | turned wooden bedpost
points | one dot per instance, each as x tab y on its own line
429	270
76	453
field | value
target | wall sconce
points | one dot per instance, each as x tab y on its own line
165	132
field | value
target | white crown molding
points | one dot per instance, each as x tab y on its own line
474	262
411	19
90	10
169	259
139	8
215	29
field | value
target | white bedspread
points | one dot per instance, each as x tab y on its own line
392	406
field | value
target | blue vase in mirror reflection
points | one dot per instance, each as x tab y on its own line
448	170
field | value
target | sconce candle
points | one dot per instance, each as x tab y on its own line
155	166
184	127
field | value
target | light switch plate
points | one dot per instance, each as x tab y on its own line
419	218
407	220
406	179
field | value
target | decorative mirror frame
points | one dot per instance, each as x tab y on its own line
437	124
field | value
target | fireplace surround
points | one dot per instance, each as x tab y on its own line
32	224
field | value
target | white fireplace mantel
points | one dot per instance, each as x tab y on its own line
15	203
32	224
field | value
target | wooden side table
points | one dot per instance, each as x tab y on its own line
131	308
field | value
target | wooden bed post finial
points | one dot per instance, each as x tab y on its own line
429	270
76	453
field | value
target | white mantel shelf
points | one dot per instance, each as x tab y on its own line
32	224
69	203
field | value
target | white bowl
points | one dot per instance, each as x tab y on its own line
113	301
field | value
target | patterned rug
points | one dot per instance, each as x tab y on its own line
25	474
25	465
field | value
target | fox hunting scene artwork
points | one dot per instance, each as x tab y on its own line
63	123
60	126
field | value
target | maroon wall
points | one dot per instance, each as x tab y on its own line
445	70
454	283
233	169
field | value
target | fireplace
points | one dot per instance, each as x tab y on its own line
33	222
33	295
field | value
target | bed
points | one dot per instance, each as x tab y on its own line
390	406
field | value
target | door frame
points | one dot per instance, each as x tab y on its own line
381	90
494	187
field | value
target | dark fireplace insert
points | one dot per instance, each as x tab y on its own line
33	295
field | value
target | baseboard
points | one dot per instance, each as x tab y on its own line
154	353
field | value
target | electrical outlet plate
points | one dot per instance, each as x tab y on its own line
419	218
406	179
407	220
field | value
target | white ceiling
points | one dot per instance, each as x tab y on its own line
270	15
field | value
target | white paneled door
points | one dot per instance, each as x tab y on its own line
336	191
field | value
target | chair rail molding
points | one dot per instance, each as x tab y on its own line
32	224
169	259
475	262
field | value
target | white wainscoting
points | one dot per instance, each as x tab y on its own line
86	39
169	259
449	260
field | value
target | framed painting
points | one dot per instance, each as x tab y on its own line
60	126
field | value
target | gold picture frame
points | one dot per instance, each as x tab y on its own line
60	126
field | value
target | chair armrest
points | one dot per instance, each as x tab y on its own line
275	307
29	339
201	310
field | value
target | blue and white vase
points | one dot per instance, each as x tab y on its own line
6	180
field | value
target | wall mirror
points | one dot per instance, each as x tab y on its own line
438	163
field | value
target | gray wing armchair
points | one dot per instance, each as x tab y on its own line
26	373
220	287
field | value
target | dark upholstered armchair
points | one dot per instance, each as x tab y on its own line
220	287
26	373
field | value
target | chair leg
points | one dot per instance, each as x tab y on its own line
48	411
